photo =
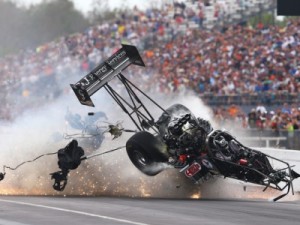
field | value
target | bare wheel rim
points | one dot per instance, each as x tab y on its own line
140	157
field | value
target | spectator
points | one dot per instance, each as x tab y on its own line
252	119
290	128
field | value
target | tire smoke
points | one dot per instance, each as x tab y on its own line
32	134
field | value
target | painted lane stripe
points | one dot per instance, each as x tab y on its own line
75	212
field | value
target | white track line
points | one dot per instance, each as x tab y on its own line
75	212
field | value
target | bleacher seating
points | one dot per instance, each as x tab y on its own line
230	11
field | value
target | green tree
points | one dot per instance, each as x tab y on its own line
102	12
21	28
12	20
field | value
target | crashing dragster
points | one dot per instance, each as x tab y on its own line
178	138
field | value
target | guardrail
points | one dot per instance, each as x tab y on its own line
265	98
267	140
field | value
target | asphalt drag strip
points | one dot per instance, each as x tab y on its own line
16	210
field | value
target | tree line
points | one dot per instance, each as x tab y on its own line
22	28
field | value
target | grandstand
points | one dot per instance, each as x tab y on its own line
223	12
208	48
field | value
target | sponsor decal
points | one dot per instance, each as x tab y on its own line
193	169
116	58
88	79
102	70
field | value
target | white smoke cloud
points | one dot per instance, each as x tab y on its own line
30	135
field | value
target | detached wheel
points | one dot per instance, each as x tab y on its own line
147	153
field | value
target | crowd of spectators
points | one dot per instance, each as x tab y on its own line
235	60
277	119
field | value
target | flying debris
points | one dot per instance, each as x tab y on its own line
91	131
2	176
69	158
115	130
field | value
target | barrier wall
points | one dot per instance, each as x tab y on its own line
270	138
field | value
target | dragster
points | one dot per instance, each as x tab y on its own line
178	138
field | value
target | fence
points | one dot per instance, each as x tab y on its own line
265	98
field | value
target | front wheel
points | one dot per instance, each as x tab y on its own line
147	153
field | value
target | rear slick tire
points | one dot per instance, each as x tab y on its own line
146	153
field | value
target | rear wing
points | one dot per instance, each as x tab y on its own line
105	72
